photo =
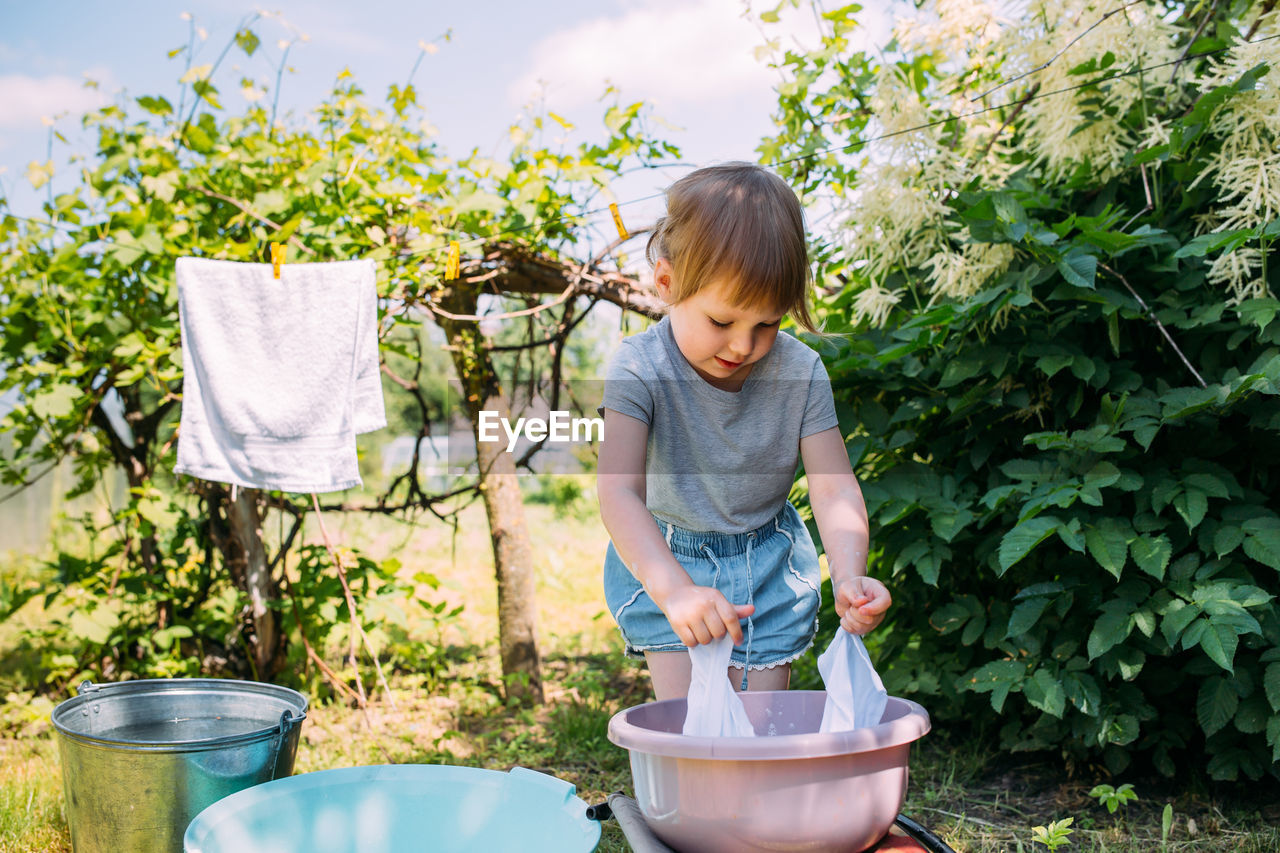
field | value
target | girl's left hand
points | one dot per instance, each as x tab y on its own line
861	603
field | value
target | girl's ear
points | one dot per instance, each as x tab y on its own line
662	279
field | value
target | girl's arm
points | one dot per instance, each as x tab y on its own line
697	614
841	514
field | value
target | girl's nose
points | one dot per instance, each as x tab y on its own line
741	347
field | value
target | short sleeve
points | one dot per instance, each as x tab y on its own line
820	408
625	388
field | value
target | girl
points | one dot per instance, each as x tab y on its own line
705	415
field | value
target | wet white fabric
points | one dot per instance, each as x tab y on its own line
855	695
714	709
279	375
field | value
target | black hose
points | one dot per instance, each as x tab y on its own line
599	811
927	839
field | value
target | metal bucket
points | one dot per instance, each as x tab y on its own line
140	759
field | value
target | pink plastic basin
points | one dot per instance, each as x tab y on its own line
790	788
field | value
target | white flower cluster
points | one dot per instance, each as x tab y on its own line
1085	127
1245	171
897	218
959	275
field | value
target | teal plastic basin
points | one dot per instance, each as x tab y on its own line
396	809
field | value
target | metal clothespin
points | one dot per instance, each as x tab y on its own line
617	220
451	267
277	258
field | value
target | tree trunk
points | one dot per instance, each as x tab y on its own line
513	561
245	558
503	503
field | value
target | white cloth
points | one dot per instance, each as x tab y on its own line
279	375
714	709
855	695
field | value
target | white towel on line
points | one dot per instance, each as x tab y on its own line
279	375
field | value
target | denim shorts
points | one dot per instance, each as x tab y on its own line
774	567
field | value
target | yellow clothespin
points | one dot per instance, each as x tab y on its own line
277	257
617	220
451	268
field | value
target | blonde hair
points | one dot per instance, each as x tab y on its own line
741	223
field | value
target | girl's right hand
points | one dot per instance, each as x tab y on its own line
700	614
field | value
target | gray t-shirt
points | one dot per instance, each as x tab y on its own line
718	460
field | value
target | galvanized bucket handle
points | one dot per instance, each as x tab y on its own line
287	720
87	686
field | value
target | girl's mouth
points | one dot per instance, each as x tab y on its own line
727	365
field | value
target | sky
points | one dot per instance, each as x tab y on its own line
691	59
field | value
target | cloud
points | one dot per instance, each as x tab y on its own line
665	51
27	99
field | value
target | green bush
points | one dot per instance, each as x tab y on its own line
1060	370
1071	524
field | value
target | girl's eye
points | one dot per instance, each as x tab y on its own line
719	325
771	325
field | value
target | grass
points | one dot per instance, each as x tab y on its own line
975	798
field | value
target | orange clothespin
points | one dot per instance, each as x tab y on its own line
451	267
617	220
277	258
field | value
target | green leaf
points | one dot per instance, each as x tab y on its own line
158	106
95	625
1045	692
1219	642
1227	538
1263	540
1051	364
1122	730
946	525
1079	268
1026	614
1198	247
480	201
56	401
1130	661
164	638
1082	691
1249	80
1102	475
949	617
1108	544
1113	627
1192	505
1216	704
156	510
1152	554
1211	485
1271	683
208	92
248	41
997	678
1177	618
1020	541
1180	402
958	370
1145	621
1258	312
1252	717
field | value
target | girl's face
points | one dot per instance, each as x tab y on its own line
720	340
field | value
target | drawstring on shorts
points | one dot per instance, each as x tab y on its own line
751	585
